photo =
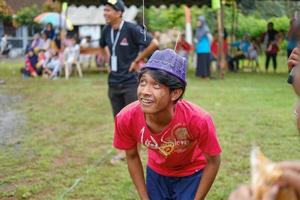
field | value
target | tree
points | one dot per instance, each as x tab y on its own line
5	10
26	15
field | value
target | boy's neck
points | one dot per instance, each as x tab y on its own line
116	24
158	121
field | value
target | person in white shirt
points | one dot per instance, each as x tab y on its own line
71	57
86	43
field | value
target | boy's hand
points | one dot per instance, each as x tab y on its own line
294	58
134	67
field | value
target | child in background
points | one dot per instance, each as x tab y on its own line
253	52
52	67
71	57
30	64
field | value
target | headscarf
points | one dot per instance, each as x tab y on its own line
203	29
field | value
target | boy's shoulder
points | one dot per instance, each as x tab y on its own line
130	112
192	107
192	110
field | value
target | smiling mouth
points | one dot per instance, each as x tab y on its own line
146	102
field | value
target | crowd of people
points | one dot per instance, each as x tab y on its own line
247	49
46	45
45	57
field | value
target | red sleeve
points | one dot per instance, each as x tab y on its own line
225	47
206	135
214	48
123	138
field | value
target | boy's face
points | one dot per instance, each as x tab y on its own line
111	14
154	96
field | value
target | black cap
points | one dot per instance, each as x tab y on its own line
118	5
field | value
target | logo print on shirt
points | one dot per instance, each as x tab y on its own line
124	42
177	141
166	148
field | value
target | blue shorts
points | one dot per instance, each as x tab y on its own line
161	187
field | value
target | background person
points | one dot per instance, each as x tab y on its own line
124	41
272	47
203	37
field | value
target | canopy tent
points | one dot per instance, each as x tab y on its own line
140	2
93	15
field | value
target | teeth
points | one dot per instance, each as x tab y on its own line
146	101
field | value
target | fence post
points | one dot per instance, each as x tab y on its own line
24	36
1	27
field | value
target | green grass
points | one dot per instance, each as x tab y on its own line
68	131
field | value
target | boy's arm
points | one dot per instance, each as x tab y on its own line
208	177
135	169
144	54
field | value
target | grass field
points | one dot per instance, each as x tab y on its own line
67	129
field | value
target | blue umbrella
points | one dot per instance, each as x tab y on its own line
56	19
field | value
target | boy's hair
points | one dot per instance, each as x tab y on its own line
164	78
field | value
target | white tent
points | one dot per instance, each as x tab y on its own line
93	15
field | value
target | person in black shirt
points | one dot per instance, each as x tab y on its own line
124	41
271	46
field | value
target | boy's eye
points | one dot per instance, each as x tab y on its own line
142	82
156	85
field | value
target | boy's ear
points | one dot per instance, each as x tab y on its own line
175	94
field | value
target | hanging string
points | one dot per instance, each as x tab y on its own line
144	31
178	35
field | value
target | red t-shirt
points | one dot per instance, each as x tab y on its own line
178	149
214	47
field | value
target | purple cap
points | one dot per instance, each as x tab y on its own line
168	61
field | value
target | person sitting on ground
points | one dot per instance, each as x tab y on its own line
37	42
42	58
183	148
30	64
46	42
49	31
52	66
242	52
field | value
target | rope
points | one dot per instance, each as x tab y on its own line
144	25
78	180
178	35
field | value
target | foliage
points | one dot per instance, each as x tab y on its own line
255	27
25	15
167	18
4	9
52	7
266	9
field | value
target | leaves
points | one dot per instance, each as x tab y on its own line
163	18
4	9
26	15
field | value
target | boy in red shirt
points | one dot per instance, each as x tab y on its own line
183	148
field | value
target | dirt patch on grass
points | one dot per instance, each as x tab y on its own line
66	158
11	120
